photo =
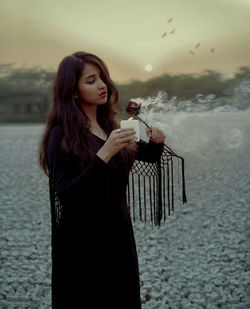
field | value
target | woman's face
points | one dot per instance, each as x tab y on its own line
91	88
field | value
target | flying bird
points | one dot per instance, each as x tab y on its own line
164	34
170	20
212	50
191	52
197	45
172	31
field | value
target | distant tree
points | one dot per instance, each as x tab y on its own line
26	93
244	72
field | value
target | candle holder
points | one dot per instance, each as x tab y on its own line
133	109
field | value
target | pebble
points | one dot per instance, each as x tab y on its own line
198	258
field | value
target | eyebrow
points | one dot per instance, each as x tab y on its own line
92	75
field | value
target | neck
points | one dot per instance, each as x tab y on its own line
90	111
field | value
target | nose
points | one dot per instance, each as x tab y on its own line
101	84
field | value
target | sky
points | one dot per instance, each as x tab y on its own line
133	37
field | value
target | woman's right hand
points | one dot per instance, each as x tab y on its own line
117	140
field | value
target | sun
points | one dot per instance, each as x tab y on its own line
148	67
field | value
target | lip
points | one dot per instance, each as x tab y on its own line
103	94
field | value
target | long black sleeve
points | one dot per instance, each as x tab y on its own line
65	180
149	152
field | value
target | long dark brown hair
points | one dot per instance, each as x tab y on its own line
66	112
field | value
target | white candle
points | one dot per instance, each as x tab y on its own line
131	124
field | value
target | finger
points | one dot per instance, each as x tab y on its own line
122	134
127	139
133	141
149	134
126	130
161	138
158	134
126	134
155	140
154	132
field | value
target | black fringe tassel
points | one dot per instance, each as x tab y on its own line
153	181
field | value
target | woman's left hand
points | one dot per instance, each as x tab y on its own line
156	135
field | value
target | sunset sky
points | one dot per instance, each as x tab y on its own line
129	35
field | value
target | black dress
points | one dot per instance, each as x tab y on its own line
94	257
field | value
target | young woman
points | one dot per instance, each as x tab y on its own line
87	159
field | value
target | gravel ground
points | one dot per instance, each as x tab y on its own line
199	258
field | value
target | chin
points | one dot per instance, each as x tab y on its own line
104	101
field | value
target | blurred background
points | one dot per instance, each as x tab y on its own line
182	47
188	63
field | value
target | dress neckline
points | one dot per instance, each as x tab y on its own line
104	140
